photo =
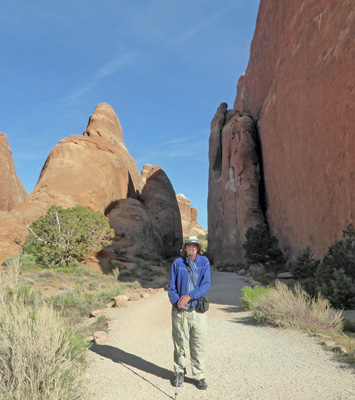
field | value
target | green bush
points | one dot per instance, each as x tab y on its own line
334	277
249	295
67	236
303	269
305	264
262	248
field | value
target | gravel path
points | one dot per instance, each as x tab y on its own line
245	361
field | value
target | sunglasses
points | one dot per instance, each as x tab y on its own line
192	244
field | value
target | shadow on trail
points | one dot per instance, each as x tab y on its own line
345	362
122	357
128	360
232	309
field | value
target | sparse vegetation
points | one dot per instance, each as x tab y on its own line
283	307
40	356
64	237
45	339
279	306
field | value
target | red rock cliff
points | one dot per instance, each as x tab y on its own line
189	215
11	190
299	87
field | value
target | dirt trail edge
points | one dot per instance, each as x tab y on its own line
245	361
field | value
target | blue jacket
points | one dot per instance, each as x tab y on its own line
179	276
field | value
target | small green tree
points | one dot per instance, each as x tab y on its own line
305	264
67	236
303	269
335	275
261	247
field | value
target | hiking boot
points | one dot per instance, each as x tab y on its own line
178	380
201	384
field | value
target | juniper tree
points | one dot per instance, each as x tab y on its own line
67	236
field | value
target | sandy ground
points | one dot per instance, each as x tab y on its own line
245	360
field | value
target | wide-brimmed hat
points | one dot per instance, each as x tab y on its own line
191	240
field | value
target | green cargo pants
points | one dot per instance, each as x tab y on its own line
194	336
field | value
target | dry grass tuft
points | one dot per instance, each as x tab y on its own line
40	357
283	307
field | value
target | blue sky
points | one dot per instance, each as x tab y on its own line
163	65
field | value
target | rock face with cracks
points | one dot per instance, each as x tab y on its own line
299	90
234	185
136	236
299	86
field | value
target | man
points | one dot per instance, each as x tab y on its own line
189	327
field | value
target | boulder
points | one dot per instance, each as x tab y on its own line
159	197
100	337
285	275
135	233
12	192
120	301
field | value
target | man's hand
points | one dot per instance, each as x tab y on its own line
183	301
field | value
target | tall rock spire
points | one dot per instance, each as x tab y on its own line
12	192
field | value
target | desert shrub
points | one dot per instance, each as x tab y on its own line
283	307
303	269
67	236
249	295
74	304
262	248
26	261
341	255
40	357
83	270
305	264
95	283
335	274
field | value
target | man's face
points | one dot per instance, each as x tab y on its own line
191	250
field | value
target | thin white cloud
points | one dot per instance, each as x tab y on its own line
170	151
204	24
117	63
78	93
177	141
110	68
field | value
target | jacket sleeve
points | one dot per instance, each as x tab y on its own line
172	286
204	282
